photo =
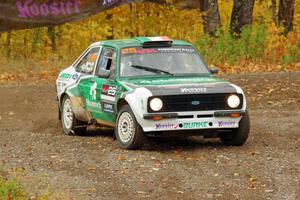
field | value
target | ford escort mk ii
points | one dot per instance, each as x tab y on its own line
147	86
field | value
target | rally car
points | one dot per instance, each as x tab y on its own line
149	86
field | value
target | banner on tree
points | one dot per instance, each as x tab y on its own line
23	14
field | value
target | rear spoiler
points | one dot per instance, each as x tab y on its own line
157	44
159	41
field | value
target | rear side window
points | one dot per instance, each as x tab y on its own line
107	61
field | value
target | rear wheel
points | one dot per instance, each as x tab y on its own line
70	124
239	136
128	132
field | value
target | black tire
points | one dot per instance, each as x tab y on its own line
59	114
137	139
237	137
77	127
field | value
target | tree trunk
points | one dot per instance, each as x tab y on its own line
136	18
210	16
242	14
286	14
132	19
8	43
273	9
51	35
111	28
25	44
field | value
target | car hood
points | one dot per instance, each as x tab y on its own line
181	85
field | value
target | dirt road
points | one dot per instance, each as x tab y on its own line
33	148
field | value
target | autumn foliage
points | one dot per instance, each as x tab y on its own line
261	46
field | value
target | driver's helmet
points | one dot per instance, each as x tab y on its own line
169	63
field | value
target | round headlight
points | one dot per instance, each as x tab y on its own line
233	101
156	104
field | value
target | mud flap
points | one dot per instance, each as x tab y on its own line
79	111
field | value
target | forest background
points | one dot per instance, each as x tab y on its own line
236	36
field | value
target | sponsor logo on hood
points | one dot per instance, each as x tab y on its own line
193	90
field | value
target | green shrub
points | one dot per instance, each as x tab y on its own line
10	189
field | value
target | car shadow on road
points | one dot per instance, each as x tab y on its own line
185	143
99	132
164	143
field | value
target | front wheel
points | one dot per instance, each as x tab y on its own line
239	136
128	132
70	124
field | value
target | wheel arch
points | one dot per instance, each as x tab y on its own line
60	99
121	103
62	96
79	111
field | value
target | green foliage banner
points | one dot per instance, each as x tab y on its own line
23	14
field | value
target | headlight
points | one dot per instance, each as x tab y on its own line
156	104
233	101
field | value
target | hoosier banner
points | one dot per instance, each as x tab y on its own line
22	14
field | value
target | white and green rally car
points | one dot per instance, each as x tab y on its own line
147	86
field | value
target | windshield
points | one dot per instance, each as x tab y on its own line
175	60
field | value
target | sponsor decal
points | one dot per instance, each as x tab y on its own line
108	107
226	124
193	90
31	8
93	104
140	51
166	126
75	76
128	51
176	50
65	76
146	51
195	125
93	91
108	93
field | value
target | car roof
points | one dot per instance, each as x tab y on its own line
136	41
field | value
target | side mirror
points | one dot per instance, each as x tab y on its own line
214	70
103	73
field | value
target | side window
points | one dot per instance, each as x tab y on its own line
107	61
87	63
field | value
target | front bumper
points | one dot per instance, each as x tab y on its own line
191	121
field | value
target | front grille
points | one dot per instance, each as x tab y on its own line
196	102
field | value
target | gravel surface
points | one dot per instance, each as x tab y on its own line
34	149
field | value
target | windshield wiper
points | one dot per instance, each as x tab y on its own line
149	69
